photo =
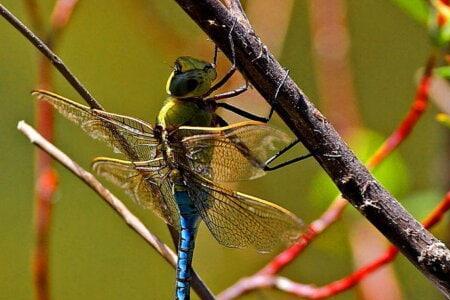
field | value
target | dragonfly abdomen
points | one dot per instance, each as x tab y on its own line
189	219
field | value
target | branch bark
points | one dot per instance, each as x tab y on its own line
355	182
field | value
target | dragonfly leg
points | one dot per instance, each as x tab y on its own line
229	94
286	163
216	52
232	69
241	112
275	98
222	81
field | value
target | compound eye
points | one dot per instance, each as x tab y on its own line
191	84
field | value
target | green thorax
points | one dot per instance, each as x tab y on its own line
180	112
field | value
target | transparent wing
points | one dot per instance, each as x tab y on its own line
231	153
239	220
127	135
145	182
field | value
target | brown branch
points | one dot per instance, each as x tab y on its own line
131	220
316	133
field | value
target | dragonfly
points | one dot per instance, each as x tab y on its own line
176	167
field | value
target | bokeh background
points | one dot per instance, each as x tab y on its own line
123	52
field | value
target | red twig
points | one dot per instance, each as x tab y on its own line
335	210
45	187
62	12
246	285
46	182
331	215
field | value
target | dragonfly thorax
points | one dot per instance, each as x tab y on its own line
176	113
168	155
166	150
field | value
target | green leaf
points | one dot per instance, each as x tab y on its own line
443	72
443	119
417	9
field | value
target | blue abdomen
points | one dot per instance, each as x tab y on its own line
189	218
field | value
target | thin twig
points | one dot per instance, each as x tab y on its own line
131	220
46	180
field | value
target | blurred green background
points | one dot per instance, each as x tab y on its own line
122	51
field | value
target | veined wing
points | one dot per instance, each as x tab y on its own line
231	153
127	135
239	220
146	182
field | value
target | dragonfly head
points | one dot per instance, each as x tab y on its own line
190	78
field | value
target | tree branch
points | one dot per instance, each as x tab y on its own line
351	177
